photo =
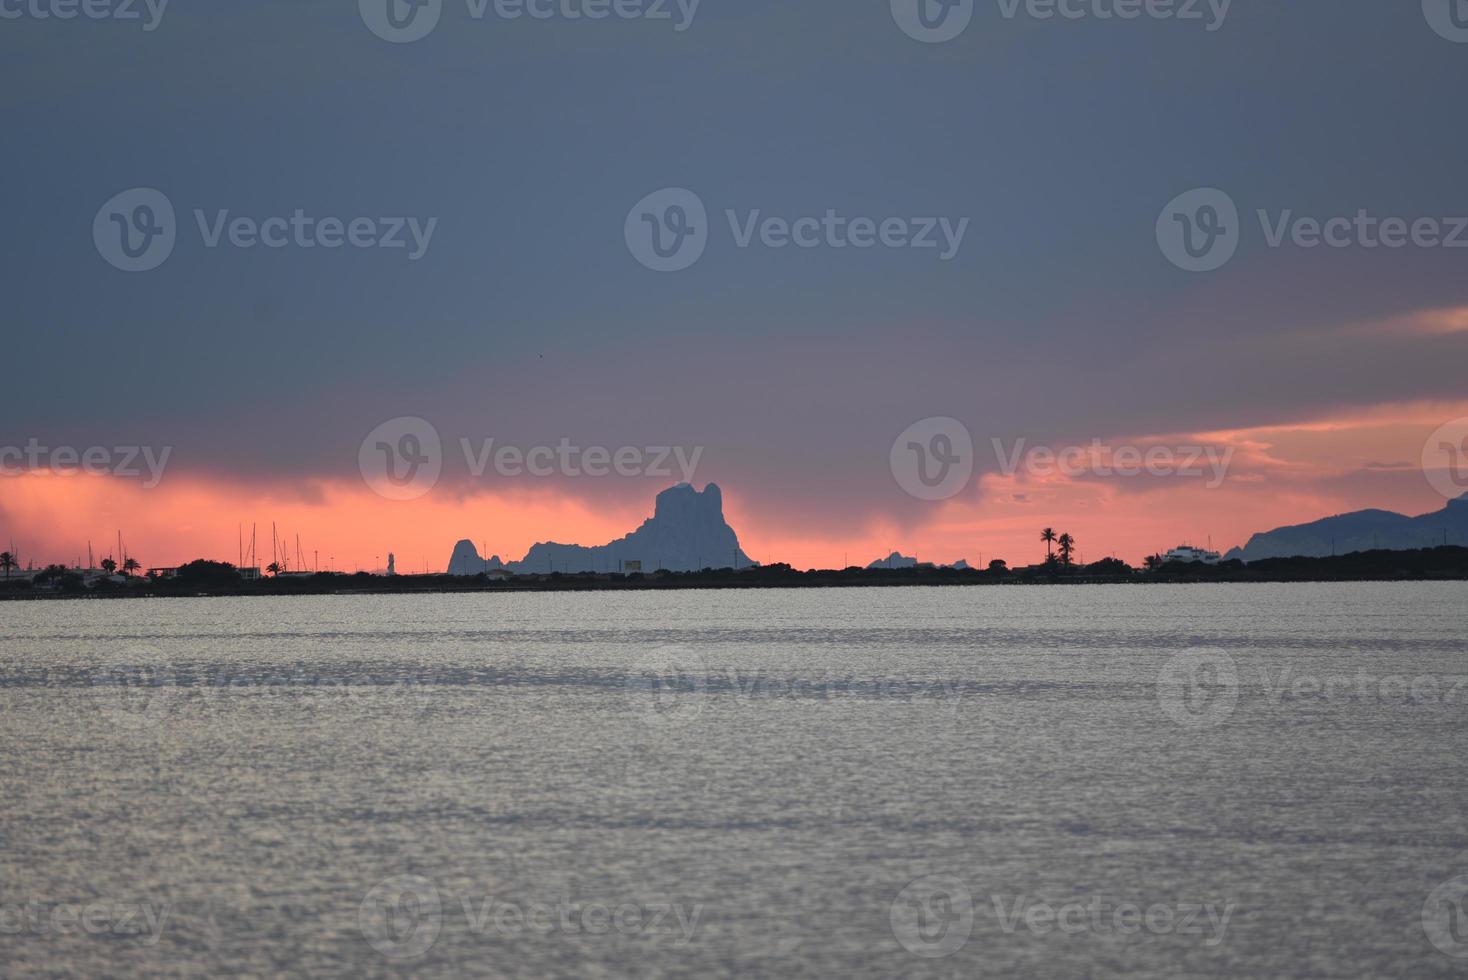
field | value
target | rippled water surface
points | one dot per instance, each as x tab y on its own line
1098	781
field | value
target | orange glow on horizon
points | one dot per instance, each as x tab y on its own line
1282	474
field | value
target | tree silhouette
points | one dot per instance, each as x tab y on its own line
109	566
1067	548
208	574
1048	536
130	565
273	568
1152	562
8	562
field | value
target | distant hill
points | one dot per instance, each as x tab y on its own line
466	561
1363	530
898	560
686	533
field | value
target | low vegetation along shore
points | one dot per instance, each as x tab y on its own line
209	578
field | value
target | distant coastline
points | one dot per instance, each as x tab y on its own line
687	535
1449	563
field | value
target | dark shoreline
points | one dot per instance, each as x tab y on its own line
1443	564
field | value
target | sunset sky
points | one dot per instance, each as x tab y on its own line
1322	372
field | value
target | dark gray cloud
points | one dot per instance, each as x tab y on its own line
528	320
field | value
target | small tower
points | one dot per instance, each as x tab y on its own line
391	565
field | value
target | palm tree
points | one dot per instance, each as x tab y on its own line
109	566
273	568
1048	536
7	562
130	565
1067	548
1152	562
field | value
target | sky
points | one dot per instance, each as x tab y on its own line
1054	163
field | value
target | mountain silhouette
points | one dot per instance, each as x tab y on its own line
686	533
1362	530
895	560
898	560
466	561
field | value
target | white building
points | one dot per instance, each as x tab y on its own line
1187	553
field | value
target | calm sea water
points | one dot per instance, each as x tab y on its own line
1213	781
